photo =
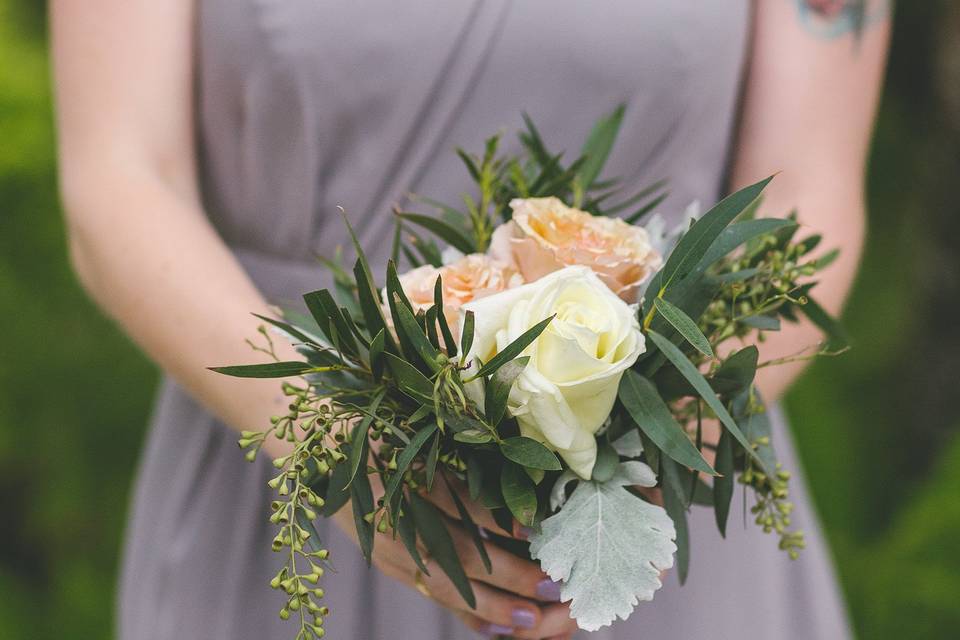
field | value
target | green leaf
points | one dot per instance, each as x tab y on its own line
370	305
513	349
446	232
324	309
406	527
413	333
498	390
695	243
448	341
361	497
466	335
598	145
473	436
413	383
695	378
474	477
723	484
737	372
358	441
606	464
440	545
673	502
826	259
405	458
837	336
334	488
467	521
738	234
634	217
683	324
519	493
762	322
529	453
377	346
268	370
643	402
430	467
607	546
292	331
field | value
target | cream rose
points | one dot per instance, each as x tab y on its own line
568	388
546	235
468	278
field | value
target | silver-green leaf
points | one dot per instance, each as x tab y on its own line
630	543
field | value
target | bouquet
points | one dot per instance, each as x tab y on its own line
558	360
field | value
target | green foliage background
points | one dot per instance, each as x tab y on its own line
877	428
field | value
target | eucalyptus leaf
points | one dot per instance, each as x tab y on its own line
695	243
654	418
519	493
683	324
723	484
405	458
598	145
513	349
446	232
449	343
268	370
737	372
361	498
466	520
408	535
695	378
529	453
440	545
498	389
409	379
630	543
473	436
674	503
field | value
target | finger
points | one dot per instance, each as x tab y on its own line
556	621
500	612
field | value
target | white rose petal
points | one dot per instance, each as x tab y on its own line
567	390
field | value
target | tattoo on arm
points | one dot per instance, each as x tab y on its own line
835	18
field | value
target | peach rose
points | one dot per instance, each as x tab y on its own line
546	235
469	278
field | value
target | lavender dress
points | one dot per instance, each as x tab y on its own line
303	105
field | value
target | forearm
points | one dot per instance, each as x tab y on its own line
169	280
838	215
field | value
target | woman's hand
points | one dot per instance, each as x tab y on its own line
516	598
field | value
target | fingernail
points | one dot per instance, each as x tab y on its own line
524	532
483	533
491	629
548	590
523	618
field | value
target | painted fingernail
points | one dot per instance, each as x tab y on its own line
524	532
491	630
523	618
548	590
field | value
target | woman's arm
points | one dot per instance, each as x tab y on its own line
139	240
814	80
143	247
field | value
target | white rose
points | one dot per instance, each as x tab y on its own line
568	388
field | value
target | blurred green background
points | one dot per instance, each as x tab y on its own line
877	428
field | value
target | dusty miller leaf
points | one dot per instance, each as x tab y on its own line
630	543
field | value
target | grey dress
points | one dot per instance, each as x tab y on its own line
304	105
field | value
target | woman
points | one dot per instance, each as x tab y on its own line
205	145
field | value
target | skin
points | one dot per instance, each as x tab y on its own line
138	235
